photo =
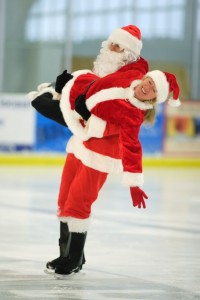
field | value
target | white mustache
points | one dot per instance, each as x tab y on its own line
108	61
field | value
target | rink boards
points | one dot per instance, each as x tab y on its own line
26	135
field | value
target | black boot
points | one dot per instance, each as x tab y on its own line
63	245
74	261
75	244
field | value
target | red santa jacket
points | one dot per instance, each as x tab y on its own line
116	120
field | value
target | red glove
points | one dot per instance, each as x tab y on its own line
138	197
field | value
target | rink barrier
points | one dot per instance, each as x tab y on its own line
32	160
58	160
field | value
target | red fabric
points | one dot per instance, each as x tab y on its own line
122	114
107	146
133	30
129	120
173	85
138	197
121	78
80	85
114	144
79	188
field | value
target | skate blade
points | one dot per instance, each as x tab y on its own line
64	276
49	271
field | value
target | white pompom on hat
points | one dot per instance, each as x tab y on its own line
127	37
165	83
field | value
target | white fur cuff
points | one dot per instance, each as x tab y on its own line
132	179
76	225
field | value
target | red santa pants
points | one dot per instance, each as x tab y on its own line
79	188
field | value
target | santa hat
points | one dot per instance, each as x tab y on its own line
128	37
165	83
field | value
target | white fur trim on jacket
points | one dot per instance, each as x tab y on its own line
76	225
93	159
105	95
95	127
126	40
132	179
117	93
70	116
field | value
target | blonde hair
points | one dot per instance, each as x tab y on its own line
150	115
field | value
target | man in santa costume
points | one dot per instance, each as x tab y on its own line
90	161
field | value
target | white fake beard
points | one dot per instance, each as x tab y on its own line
108	61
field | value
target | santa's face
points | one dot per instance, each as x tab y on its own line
115	48
111	58
145	90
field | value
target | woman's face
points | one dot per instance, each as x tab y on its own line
146	90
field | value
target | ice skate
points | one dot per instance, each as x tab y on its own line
51	265
74	261
63	246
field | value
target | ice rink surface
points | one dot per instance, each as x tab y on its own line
131	254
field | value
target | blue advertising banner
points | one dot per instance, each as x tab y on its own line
50	136
152	137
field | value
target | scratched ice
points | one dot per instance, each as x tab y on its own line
150	254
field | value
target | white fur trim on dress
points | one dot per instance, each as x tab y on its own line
50	90
34	94
93	159
75	224
42	86
95	127
161	83
126	40
71	118
132	179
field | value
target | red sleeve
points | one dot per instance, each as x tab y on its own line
130	147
